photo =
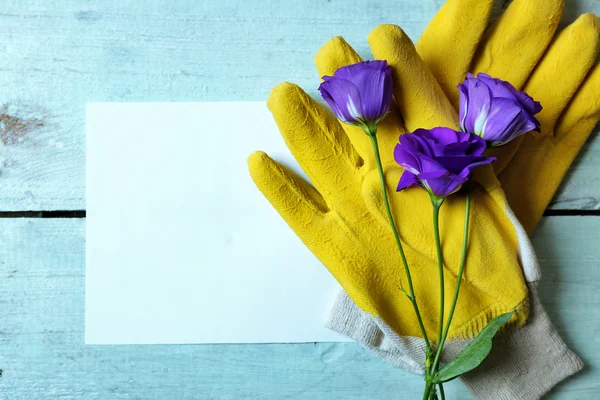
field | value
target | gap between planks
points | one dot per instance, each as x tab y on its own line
82	213
43	214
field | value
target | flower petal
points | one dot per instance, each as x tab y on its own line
440	159
466	173
533	107
407	159
373	80
506	121
505	89
456	164
408	179
420	140
444	136
348	72
343	98
478	106
498	87
445	185
503	113
371	85
431	166
464	105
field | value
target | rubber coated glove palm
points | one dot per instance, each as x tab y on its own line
341	218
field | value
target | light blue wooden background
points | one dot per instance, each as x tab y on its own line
58	55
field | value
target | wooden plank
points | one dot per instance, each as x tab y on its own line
59	55
42	354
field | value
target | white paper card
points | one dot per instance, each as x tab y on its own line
181	246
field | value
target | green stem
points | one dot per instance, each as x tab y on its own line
427	393
372	132
437	204
433	395
459	280
442	395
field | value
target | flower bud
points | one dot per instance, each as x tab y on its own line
494	110
359	94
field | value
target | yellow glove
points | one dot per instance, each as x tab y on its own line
562	81
341	220
453	44
532	167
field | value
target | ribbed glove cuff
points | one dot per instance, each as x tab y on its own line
526	363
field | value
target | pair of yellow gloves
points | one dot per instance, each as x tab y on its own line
340	216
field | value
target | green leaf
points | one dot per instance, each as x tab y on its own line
471	356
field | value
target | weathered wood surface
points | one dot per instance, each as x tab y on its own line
42	355
58	55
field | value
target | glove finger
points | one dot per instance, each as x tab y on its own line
563	68
334	54
337	53
531	179
530	190
565	64
300	205
315	139
420	99
450	40
514	44
582	115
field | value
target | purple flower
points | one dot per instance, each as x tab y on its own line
495	110
440	159
361	93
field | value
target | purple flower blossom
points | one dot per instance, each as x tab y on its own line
495	110
361	93
440	160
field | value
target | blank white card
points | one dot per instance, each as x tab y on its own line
181	246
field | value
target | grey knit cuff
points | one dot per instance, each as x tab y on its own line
406	352
346	318
524	364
